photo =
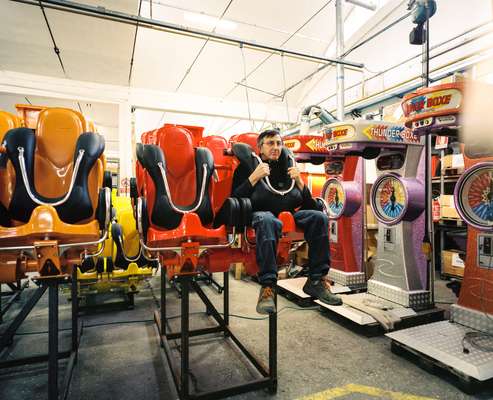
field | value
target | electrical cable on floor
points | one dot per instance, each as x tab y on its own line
137	321
474	338
142	321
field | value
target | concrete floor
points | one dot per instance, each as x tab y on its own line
315	353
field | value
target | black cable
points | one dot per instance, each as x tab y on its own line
136	321
133	47
143	321
475	338
375	34
282	44
55	47
189	69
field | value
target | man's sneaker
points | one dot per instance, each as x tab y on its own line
266	304
320	289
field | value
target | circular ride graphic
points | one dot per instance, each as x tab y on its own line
335	197
389	199
474	196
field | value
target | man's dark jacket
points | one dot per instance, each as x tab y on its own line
264	200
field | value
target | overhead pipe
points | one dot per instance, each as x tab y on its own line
419	55
306	115
397	93
117	16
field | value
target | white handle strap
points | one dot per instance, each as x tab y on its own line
267	181
22	164
168	192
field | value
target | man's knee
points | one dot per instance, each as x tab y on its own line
319	218
265	220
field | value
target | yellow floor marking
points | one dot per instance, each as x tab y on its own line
368	390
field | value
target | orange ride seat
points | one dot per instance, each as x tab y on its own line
54	185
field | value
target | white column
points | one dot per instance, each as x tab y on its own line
125	146
340	67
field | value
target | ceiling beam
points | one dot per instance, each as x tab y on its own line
116	16
369	5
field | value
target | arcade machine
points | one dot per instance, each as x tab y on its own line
462	345
342	196
399	285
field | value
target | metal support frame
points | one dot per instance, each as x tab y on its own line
181	370
14	294
429	228
52	285
204	276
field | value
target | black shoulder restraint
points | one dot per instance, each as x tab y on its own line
78	205
162	213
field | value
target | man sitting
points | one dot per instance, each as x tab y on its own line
267	206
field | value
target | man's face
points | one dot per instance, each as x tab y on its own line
270	150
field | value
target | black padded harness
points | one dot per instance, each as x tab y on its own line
162	213
78	206
262	198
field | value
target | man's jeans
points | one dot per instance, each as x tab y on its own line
268	231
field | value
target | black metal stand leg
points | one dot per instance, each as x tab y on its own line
226	299
75	310
273	349
7	336
163	302
185	291
53	341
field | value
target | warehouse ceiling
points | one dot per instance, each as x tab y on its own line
98	50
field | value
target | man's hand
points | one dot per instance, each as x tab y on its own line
260	172
294	173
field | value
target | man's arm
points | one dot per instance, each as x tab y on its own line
243	183
308	202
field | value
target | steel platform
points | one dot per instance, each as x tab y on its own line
362	318
442	343
292	289
403	317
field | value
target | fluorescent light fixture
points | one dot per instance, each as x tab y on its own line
210	22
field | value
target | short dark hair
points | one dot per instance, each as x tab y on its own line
265	134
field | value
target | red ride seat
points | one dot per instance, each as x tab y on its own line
177	210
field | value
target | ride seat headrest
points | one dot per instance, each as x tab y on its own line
57	132
248	138
177	145
216	143
7	122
